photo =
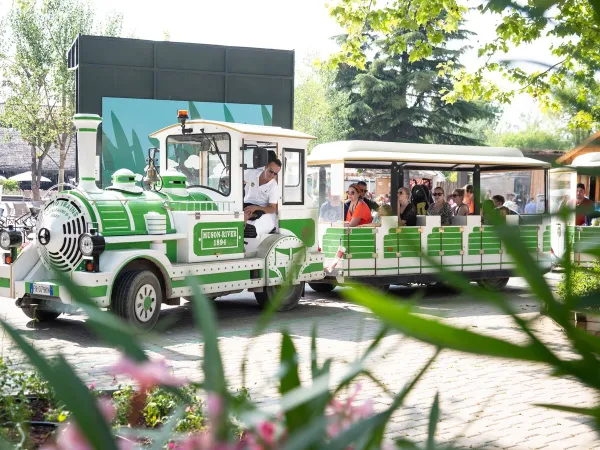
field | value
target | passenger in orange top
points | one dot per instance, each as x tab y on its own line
469	200
358	211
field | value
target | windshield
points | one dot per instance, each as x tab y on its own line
203	158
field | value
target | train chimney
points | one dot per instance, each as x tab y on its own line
87	129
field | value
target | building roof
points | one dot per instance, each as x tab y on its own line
590	145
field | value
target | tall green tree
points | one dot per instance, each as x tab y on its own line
320	109
572	28
396	99
38	87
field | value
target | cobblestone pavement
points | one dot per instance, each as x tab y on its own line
484	402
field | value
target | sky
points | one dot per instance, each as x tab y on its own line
304	26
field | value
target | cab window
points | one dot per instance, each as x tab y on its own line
293	176
205	160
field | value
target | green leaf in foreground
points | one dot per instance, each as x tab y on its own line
107	327
434	416
297	416
70	389
400	317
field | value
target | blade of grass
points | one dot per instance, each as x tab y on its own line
212	364
373	427
434	416
437	333
295	417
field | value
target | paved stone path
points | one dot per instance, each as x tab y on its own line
484	402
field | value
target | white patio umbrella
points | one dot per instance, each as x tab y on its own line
26	176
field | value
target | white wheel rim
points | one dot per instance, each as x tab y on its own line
145	303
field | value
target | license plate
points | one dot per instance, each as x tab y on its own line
41	289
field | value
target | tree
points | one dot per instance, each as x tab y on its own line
319	109
396	99
573	25
39	88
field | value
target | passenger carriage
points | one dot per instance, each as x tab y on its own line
386	254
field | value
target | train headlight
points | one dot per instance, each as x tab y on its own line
91	244
10	238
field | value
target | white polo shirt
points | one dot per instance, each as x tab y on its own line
256	194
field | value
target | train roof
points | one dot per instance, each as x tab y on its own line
422	155
242	128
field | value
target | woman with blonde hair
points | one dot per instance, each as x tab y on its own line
407	212
440	207
358	211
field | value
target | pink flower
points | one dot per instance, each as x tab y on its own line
344	414
92	386
205	441
148	374
266	431
71	438
214	406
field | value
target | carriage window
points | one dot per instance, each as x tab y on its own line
203	158
523	191
293	176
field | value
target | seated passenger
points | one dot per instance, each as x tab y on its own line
407	212
440	207
358	211
331	210
469	200
499	202
460	207
260	199
487	207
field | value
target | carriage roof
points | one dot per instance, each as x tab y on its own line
422	155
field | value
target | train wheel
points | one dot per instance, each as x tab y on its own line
137	298
40	315
322	287
493	284
291	296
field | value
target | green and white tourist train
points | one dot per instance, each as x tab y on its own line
141	243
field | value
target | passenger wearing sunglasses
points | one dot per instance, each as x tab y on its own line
407	211
261	194
358	212
440	207
460	207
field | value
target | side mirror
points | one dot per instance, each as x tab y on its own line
260	157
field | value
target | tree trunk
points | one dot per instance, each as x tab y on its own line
35	180
61	164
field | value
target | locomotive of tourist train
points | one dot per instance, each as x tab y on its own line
133	248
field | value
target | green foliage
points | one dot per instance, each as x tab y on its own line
319	109
38	87
16	390
572	26
9	186
585	282
399	98
531	138
385	19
